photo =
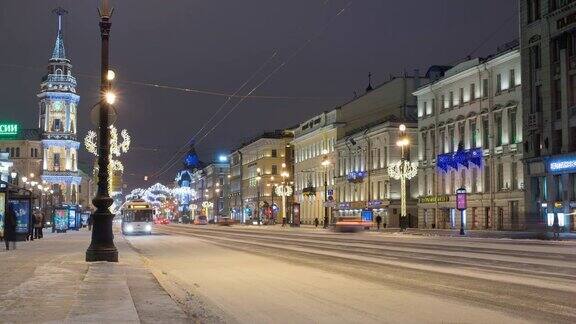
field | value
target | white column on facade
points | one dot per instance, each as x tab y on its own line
505	126
564	101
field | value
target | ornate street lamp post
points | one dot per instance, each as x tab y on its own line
403	170
326	163
258	178
102	246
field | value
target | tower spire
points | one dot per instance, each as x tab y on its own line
59	53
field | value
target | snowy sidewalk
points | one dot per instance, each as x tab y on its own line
48	281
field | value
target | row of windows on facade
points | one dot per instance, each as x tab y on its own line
566	40
534	8
378	159
15	152
562	191
56	162
450	138
470	96
313	179
357	192
314	150
450	181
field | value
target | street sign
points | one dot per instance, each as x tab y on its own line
95	115
331	204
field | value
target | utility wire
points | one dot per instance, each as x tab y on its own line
278	68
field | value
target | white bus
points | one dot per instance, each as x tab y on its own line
137	217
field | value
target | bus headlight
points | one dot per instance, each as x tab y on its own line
129	228
148	228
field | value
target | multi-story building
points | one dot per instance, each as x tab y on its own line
255	168
315	139
362	180
209	185
24	149
548	46
58	104
235	200
469	136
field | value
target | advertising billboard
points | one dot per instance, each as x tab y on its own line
72	218
367	215
2	212
61	219
21	208
296	214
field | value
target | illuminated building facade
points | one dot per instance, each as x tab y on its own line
320	134
548	39
361	177
470	136
58	104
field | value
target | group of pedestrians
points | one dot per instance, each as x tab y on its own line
10	224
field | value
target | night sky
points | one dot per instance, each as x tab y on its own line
216	45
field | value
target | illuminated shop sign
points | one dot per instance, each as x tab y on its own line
8	129
460	158
356	176
433	199
562	164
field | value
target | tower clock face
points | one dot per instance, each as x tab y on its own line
58	105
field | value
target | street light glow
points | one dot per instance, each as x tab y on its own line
402	127
110	97
110	75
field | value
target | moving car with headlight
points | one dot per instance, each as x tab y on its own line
201	220
137	217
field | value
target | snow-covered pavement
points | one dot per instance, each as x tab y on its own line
47	280
256	275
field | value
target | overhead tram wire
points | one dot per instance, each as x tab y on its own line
278	68
181	89
177	155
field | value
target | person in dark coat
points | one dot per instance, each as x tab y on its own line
10	228
326	221
316	222
378	221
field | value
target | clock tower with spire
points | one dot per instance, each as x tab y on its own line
58	104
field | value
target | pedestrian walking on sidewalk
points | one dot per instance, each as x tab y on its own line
556	227
326	221
10	228
90	221
38	223
316	222
283	221
378	221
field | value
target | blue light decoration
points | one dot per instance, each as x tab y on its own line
561	164
356	176
462	158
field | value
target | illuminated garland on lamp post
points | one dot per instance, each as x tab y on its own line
116	150
403	170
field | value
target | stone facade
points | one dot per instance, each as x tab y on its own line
470	136
548	45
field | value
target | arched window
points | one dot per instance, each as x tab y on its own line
58	72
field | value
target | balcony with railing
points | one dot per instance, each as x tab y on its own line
59	78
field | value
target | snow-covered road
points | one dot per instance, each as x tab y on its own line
271	275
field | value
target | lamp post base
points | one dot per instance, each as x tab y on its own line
102	254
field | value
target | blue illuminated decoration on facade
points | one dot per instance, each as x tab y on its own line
561	164
61	143
356	176
459	158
